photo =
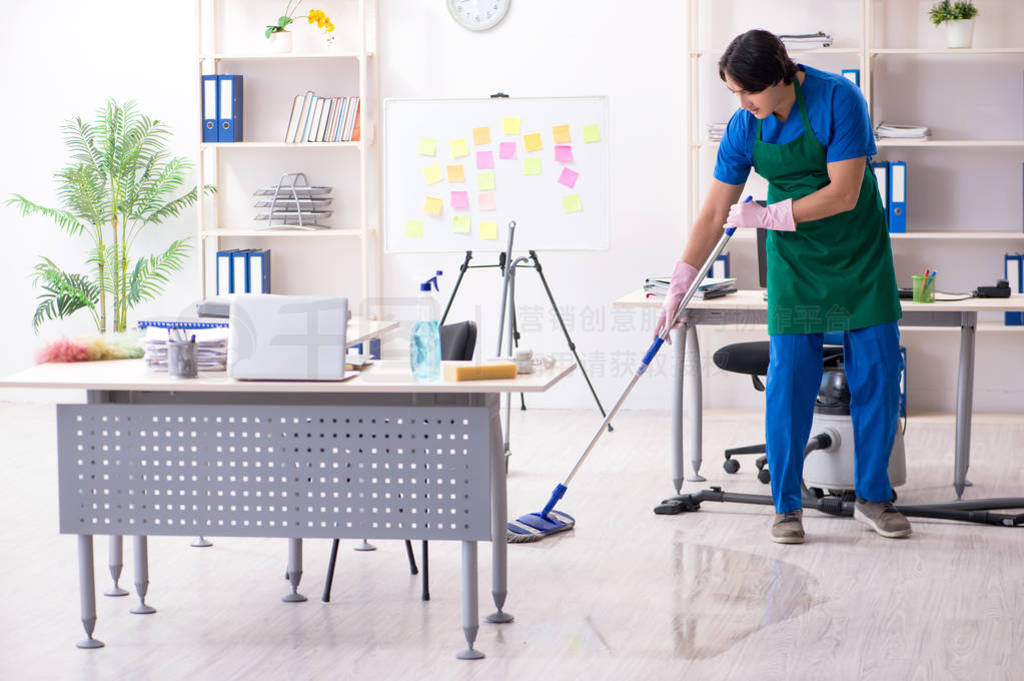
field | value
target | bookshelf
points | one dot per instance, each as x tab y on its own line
321	261
862	30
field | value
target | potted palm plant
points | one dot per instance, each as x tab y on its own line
121	179
959	19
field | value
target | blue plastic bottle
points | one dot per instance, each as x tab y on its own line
425	342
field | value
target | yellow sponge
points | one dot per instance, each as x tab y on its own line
468	371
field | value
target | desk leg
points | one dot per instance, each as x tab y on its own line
294	571
964	401
470	623
142	575
87	591
115	553
676	415
499	516
694	390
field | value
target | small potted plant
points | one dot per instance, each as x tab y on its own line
281	38
959	19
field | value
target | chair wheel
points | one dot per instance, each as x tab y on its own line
818	492
764	476
731	465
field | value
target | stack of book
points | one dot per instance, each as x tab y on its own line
806	41
323	119
903	132
657	287
211	347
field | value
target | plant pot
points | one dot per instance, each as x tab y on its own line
281	41
959	33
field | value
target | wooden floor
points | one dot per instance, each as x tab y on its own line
627	595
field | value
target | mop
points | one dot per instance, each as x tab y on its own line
535	526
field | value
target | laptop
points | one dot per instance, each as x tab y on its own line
287	338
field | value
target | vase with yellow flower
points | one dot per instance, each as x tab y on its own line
281	38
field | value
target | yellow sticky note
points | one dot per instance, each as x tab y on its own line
432	174
482	135
591	133
433	205
571	203
532	141
459	148
485	180
510	126
461	224
457	173
414	229
428	147
488	230
561	134
531	166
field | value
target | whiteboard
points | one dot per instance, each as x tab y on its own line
549	213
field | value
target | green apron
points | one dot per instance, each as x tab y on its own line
833	274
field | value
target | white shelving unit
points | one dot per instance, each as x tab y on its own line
867	54
213	226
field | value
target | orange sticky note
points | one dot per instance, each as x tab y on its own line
414	229
532	141
457	173
433	205
510	126
488	230
459	148
561	134
482	135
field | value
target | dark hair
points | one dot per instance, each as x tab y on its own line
757	60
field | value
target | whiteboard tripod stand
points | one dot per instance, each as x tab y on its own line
508	267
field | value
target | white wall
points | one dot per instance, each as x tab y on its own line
144	50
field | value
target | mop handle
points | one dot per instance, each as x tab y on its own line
651	352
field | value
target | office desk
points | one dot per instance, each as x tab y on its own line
749	307
379	456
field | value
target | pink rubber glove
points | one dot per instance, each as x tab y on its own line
778	216
682	278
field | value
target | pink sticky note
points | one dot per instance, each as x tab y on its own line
460	200
568	177
484	160
563	153
507	150
485	201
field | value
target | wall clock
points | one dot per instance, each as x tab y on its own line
478	15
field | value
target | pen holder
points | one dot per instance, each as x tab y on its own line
182	360
924	288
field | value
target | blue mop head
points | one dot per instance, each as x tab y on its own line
534	526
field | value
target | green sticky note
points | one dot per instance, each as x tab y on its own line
485	180
414	229
488	230
571	203
433	174
428	147
461	224
531	166
459	148
591	133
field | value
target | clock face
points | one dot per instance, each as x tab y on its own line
478	15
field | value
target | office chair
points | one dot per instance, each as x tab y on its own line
458	341
752	359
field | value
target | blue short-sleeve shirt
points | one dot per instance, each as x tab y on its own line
839	119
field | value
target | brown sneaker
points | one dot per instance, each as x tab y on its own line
788	528
882	517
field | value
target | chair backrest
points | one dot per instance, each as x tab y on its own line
458	341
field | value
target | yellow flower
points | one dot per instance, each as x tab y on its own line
321	20
330	26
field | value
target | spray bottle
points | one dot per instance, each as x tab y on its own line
425	342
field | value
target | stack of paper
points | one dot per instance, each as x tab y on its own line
211	350
657	287
806	41
715	131
905	132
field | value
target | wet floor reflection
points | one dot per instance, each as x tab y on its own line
721	596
